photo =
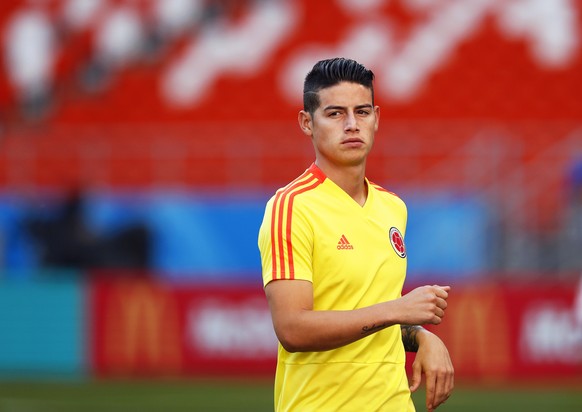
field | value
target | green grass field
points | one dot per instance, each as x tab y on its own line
252	395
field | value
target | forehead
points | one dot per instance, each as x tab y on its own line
345	94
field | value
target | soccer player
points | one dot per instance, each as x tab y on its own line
334	263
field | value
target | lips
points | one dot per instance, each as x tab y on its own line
353	141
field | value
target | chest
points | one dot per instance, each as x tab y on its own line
356	250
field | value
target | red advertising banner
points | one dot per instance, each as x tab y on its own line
494	332
146	329
514	331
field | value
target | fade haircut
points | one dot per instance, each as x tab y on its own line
329	72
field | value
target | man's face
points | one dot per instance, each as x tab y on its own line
343	126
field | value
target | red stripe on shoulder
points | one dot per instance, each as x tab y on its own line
281	226
381	189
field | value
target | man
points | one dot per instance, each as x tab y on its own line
334	264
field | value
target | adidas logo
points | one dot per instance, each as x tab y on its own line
344	243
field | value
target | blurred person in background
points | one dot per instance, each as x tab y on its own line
30	55
118	42
65	239
334	264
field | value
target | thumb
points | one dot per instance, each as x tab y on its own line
416	377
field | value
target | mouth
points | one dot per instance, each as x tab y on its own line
353	142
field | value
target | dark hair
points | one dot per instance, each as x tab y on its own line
327	73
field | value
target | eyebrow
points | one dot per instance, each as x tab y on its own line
361	106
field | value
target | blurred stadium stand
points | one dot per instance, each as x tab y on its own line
144	96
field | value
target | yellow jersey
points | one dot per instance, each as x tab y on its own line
354	257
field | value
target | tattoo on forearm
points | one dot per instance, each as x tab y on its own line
409	337
366	330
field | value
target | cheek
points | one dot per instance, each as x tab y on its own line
323	134
324	145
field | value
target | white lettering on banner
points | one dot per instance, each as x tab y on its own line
242	50
552	333
405	65
221	328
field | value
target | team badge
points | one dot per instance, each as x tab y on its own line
397	242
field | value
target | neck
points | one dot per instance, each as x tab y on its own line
351	179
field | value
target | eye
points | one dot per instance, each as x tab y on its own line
335	113
363	112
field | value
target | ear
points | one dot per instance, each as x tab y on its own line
305	122
377	112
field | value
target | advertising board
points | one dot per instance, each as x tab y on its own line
494	332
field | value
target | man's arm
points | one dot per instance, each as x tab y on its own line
433	360
299	328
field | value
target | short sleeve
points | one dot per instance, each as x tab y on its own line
285	241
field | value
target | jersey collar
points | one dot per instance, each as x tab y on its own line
317	172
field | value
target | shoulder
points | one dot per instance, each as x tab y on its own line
387	196
292	204
303	185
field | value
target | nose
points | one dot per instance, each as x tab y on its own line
351	124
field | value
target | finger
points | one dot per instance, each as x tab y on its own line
444	393
440	313
442	291
430	390
451	380
416	377
441	303
444	386
441	391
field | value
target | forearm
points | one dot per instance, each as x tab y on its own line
300	328
310	330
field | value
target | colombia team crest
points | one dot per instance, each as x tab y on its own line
397	242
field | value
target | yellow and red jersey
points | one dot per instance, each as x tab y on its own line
354	257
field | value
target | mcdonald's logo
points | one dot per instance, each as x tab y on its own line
142	330
477	333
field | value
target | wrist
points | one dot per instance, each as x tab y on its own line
423	336
411	337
